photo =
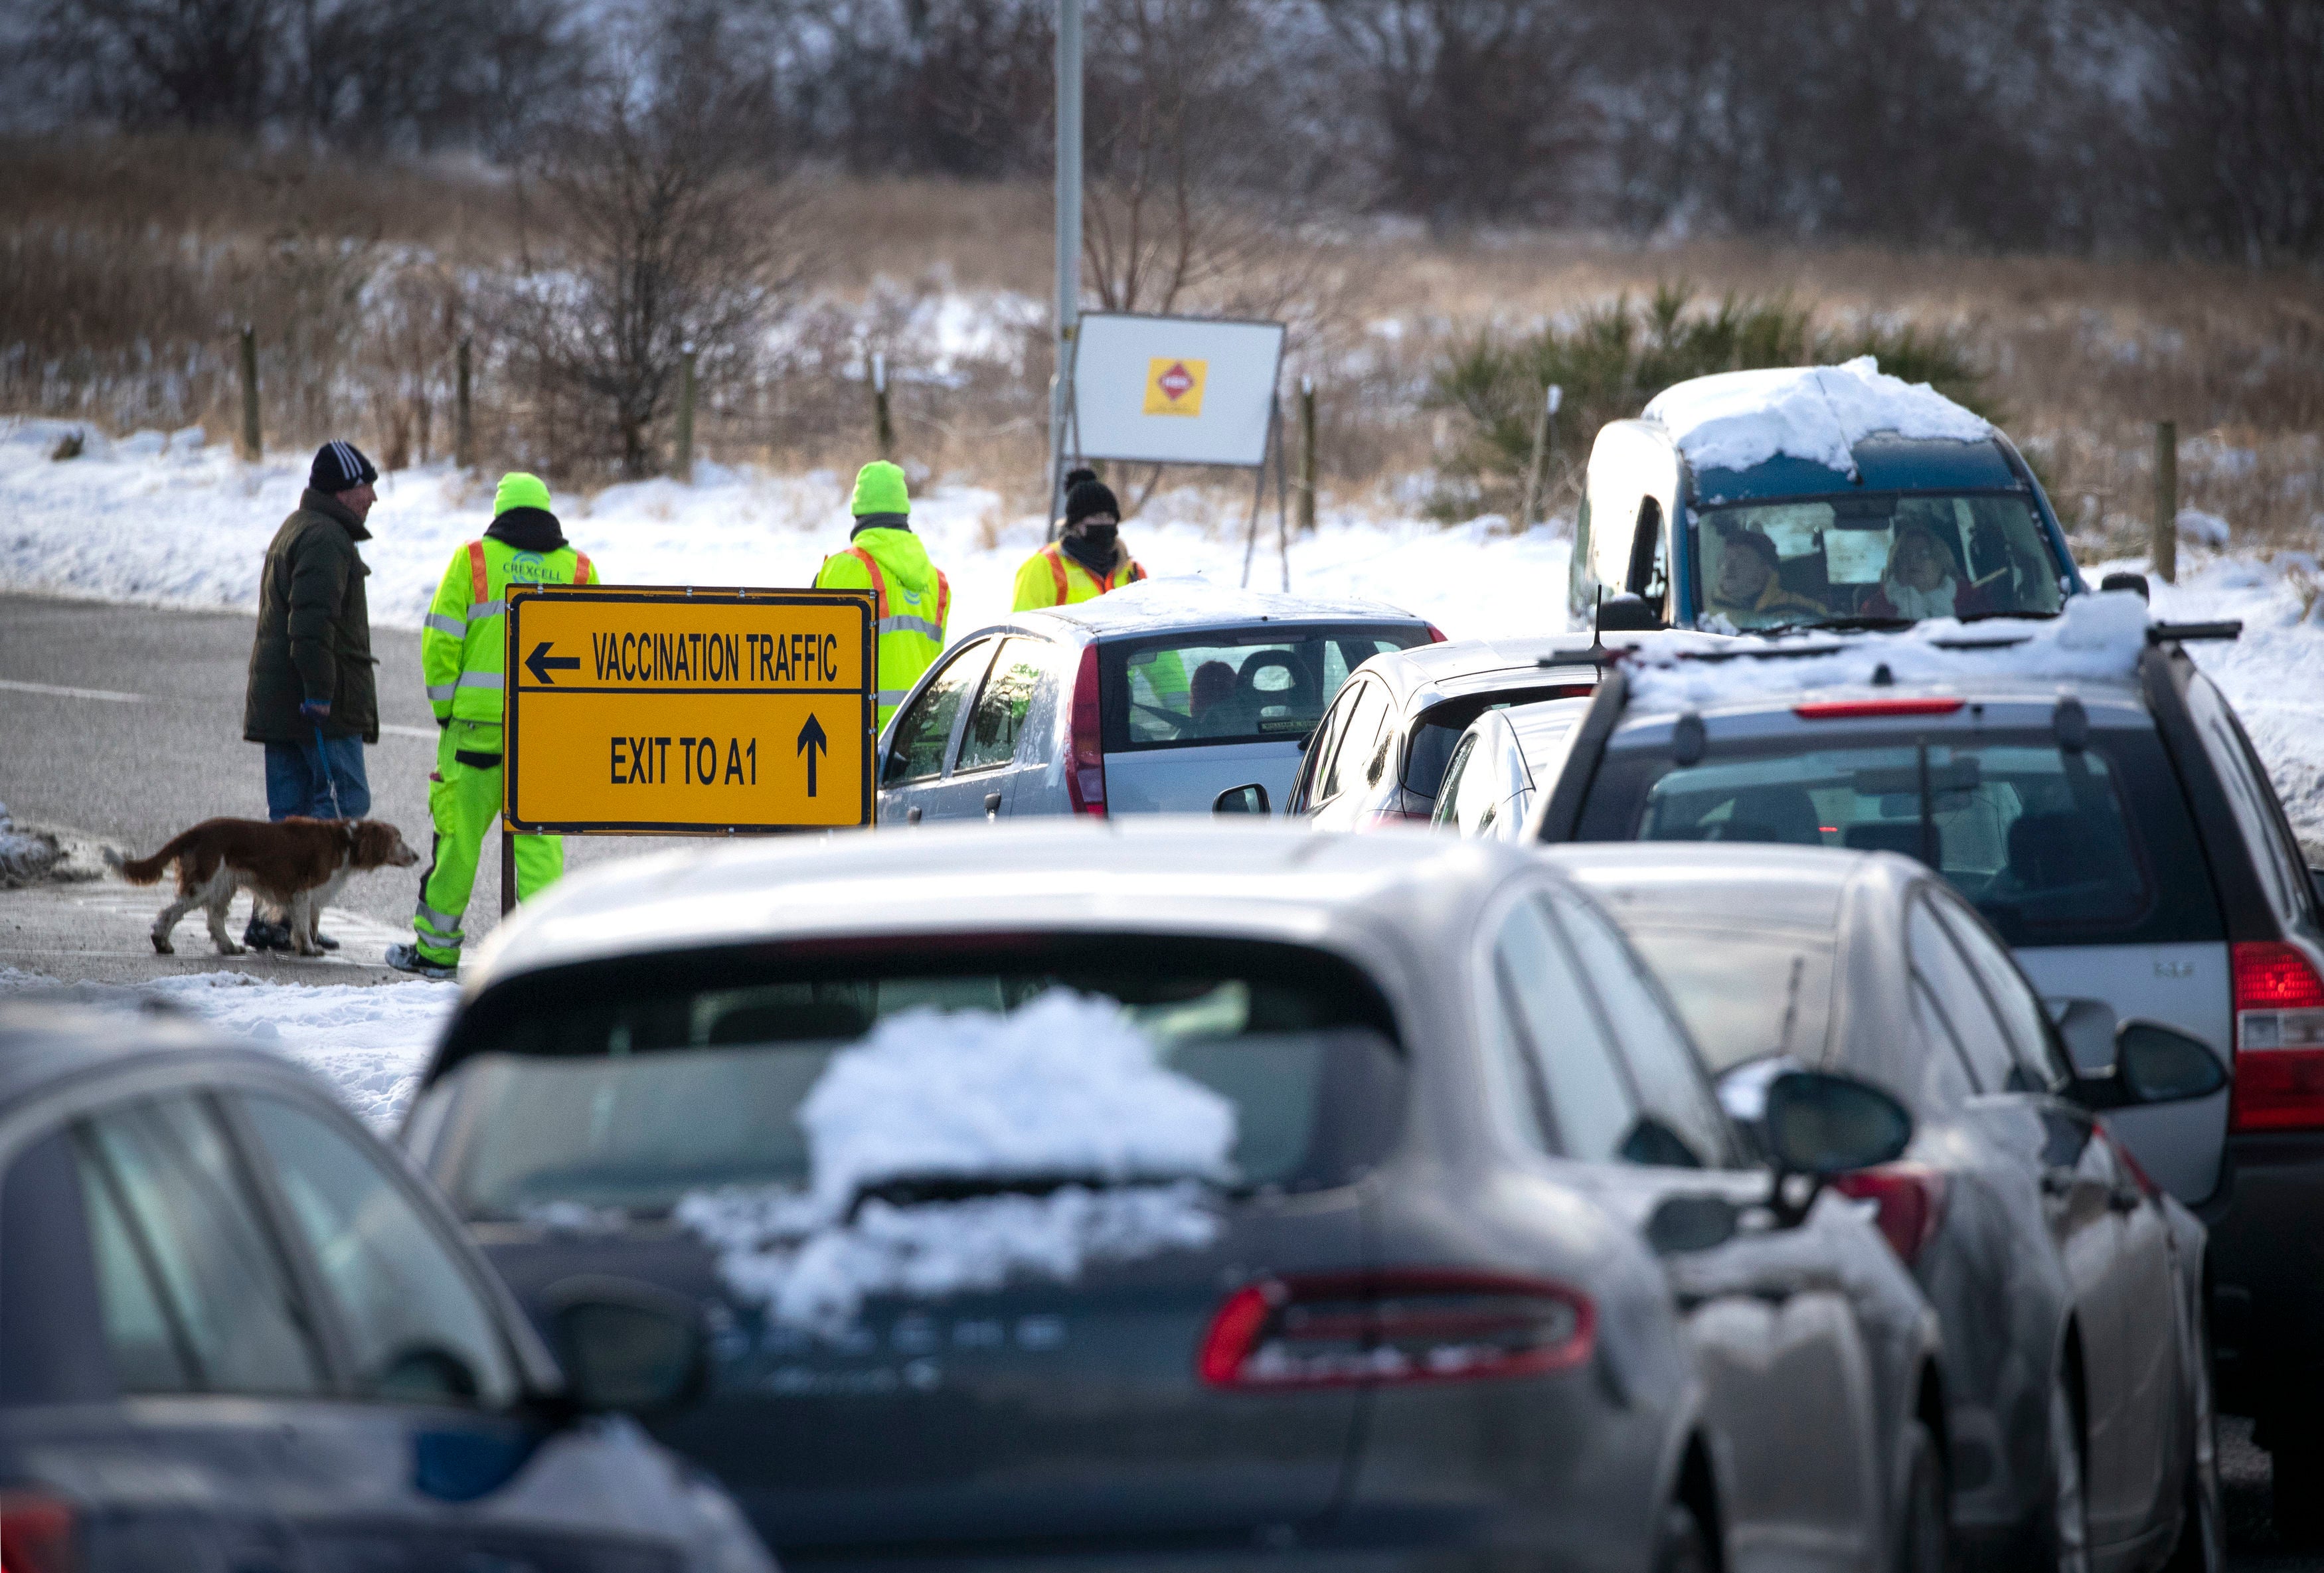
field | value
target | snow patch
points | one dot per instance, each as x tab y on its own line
371	1043
1736	420
1065	1088
26	856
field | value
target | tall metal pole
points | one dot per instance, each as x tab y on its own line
1069	241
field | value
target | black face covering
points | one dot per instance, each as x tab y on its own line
1101	537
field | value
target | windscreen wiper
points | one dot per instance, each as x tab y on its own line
1834	625
918	1190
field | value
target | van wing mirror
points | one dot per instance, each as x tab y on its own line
1250	797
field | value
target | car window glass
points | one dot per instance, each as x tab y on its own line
1591	1111
1940	1077
1447	814
1229	685
2019	1008
420	1330
1938	963
1357	741
221	1282
1663	1065
1000	714
2251	797
138	1334
917	752
1743	996
1318	754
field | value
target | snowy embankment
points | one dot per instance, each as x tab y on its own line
370	1043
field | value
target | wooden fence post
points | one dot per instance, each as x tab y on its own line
1307	455
463	430
1545	444
686	417
251	443
2165	551
883	427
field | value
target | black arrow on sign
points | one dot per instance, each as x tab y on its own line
811	741
540	663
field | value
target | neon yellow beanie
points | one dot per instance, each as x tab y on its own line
518	489
880	489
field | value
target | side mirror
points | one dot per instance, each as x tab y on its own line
627	1346
2152	1064
1248	798
1821	1124
2133	582
1627	614
1681	1224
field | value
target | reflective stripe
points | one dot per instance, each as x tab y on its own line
879	581
457	626
892	695
581	569
477	575
438	924
1057	571
474	680
918	625
441	690
484	609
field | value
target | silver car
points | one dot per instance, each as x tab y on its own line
1479	1275
1154	699
1500	765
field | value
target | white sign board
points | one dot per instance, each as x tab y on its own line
1174	390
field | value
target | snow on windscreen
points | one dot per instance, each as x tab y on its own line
1736	419
2094	636
1065	1086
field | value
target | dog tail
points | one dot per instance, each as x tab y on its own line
146	870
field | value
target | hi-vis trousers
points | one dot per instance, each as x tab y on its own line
463	797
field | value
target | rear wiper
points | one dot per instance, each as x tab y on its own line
917	1190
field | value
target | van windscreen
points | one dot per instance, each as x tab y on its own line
2054	846
1232	685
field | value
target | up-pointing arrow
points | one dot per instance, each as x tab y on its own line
811	741
540	663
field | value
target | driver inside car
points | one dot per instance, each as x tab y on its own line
1747	590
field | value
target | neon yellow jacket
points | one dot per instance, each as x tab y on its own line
464	638
911	600
1051	578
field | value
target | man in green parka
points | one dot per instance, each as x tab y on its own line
311	698
911	600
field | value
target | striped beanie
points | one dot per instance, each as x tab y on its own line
340	466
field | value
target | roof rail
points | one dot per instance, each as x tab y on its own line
2161	633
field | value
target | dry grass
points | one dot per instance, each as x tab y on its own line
124	267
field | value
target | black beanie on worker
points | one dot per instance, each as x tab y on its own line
339	466
1090	497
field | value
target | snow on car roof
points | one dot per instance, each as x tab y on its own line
1736	420
2097	637
1189	601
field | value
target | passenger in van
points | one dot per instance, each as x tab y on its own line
1749	592
1919	581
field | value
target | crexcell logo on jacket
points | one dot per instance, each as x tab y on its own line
529	566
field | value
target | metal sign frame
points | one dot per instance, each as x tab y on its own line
662	596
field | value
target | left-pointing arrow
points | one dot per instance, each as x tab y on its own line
540	663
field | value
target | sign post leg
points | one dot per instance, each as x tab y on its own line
508	870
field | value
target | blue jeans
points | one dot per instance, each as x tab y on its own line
295	785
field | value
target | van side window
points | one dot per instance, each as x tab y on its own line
1649	577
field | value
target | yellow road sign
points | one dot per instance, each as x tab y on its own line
1175	387
644	710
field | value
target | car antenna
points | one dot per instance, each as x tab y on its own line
1597	636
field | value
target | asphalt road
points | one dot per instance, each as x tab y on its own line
125	723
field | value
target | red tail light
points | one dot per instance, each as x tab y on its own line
1086	771
1911	1200
1864	709
1436	635
36	1534
2279	1039
1394	1327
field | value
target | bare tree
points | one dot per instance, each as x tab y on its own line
659	233
209	63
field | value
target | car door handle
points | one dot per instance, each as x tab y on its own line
992	805
912	815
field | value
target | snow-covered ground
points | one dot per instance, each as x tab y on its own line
369	1042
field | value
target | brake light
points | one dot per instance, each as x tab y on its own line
1910	1199
36	1534
1086	770
1392	1328
1866	709
2279	1039
1436	635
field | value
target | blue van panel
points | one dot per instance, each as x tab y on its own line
1885	464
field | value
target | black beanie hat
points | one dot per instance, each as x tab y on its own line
340	466
1075	477
1088	497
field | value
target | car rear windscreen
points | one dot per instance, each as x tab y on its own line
2055	846
1262	684
624	1087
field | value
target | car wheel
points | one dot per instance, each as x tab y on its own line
2298	1495
1684	1548
2070	1508
1922	1526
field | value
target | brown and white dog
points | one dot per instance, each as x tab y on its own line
295	865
